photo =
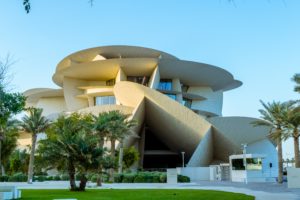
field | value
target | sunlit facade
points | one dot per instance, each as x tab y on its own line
177	104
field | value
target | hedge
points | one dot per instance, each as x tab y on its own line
147	177
139	177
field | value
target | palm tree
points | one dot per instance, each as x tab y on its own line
34	123
10	142
274	115
292	125
100	128
119	128
296	79
70	144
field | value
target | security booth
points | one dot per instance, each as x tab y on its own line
250	168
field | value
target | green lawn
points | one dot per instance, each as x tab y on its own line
150	194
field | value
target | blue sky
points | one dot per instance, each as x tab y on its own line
258	41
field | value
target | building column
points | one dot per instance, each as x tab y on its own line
176	86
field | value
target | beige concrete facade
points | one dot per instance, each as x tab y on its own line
177	103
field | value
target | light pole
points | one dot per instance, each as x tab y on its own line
182	154
245	161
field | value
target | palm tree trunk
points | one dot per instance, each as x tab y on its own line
296	148
280	160
31	160
112	152
83	181
71	170
99	177
121	158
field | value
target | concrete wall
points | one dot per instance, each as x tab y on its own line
213	103
206	145
52	105
268	149
195	173
293	177
154	79
71	91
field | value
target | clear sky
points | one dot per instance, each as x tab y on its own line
258	41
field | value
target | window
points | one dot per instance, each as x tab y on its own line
187	102
165	84
184	88
110	82
237	164
252	164
105	100
139	79
172	96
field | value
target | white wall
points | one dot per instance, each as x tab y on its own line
195	173
293	177
154	79
52	105
213	103
71	91
266	148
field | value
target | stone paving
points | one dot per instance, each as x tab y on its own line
262	191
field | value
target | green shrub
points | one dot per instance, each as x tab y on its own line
183	179
77	177
56	178
147	177
163	178
94	178
4	178
118	178
39	178
156	178
18	177
105	178
128	178
65	177
49	178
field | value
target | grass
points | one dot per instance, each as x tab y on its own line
141	194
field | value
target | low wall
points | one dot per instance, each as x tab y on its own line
195	173
293	177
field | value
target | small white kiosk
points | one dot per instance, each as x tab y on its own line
250	168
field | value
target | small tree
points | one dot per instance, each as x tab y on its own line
10	104
118	127
71	144
34	123
274	115
292	121
130	156
9	143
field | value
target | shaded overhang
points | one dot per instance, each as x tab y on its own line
198	74
33	95
106	69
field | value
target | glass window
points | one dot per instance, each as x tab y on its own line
252	164
187	102
105	100
111	82
172	96
139	79
165	84
184	88
237	164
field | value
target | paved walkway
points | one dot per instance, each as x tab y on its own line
262	191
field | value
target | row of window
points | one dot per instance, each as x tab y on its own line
252	164
105	100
